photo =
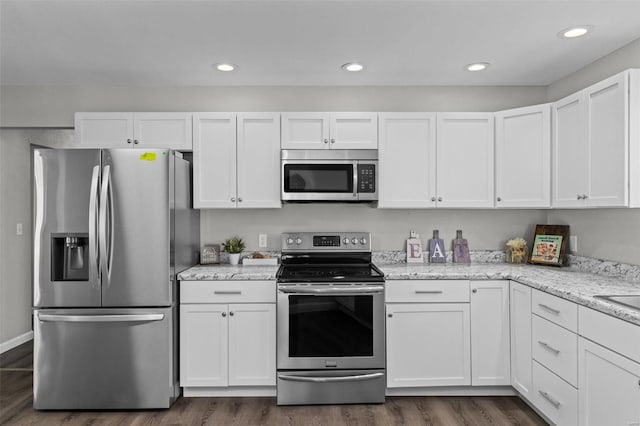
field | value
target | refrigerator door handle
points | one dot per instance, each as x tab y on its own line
106	223
93	221
101	318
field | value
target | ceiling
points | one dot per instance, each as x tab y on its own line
304	42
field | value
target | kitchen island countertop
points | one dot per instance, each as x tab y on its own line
567	283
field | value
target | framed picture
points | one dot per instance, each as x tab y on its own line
549	245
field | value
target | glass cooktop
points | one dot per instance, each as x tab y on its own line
329	273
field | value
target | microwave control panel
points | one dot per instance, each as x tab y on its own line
366	178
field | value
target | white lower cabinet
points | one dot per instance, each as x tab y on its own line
609	391
554	397
490	361
227	347
520	307
428	344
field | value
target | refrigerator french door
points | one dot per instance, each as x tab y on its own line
104	277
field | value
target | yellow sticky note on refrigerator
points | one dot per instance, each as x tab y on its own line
148	156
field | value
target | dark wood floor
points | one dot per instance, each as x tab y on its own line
16	380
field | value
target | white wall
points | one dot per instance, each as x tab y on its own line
15	207
54	106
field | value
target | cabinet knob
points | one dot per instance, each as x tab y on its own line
433	198
128	140
579	197
239	200
224	314
390	315
230	313
499	199
475	290
439	198
136	141
326	141
233	199
333	140
585	196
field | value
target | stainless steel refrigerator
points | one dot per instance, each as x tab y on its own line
111	230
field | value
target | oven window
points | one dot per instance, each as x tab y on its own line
330	326
318	178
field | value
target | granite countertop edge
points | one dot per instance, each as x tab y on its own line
566	283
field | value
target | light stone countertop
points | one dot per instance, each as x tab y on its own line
567	283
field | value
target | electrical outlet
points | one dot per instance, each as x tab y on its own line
19	229
262	240
573	243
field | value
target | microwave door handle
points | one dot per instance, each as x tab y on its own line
349	378
355	179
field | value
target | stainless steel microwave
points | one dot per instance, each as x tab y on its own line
329	175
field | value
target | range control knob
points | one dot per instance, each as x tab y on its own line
345	241
289	240
363	241
354	240
298	241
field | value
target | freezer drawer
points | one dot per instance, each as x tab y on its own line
104	359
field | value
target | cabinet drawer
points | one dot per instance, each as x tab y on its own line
555	348
555	309
554	397
435	291
618	335
227	292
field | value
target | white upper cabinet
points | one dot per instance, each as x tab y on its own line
591	146
336	130
523	157
465	159
236	160
134	129
407	160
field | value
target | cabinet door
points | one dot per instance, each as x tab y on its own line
490	348
104	129
570	152
523	157
203	345
252	344
214	160
428	345
259	160
162	130
465	149
608	132
407	160
353	130
305	130
609	387
520	307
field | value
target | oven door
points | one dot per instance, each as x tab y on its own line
331	326
318	180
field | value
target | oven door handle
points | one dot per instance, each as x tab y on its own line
333	290
355	378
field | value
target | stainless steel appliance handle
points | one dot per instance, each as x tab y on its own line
101	318
93	220
106	222
334	290
355	378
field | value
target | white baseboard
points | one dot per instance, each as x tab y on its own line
16	341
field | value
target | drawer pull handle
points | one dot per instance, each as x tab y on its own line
547	346
227	292
549	398
429	291
547	308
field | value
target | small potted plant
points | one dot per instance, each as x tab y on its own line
234	246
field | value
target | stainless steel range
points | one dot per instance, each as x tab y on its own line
330	320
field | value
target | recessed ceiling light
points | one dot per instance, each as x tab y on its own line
353	67
225	67
574	32
477	66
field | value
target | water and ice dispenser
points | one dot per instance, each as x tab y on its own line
70	257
